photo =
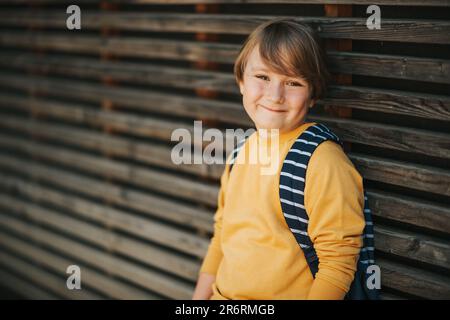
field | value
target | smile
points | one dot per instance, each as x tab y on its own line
273	110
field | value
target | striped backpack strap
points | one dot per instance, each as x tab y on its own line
235	152
292	186
291	190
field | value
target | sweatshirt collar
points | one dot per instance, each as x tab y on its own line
283	137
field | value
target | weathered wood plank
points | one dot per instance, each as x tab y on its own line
390	101
413	104
390	240
415	176
158	231
413	281
402	30
113	145
399	208
421	141
148	100
119	46
90	278
125	196
43	278
389	296
401	173
24	288
412	140
385	233
390	66
419	213
150	179
121	71
117	220
142	277
175	2
412	245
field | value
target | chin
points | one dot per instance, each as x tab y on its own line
264	125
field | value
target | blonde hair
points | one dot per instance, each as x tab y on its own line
288	47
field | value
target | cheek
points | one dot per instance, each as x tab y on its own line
297	99
253	90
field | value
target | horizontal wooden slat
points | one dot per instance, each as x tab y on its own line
422	248
44	279
390	66
403	30
400	173
89	277
413	246
387	136
113	145
405	67
399	208
107	191
412	140
24	288
105	262
403	278
148	100
391	101
414	104
406	245
413	281
121	46
375	65
150	179
177	2
154	231
122	71
417	212
110	218
390	296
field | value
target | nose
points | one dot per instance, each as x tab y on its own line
275	92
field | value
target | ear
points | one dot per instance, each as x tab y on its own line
241	87
312	103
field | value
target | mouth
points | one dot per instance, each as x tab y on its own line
273	110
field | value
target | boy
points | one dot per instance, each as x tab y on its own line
253	254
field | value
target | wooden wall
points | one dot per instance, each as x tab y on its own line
86	118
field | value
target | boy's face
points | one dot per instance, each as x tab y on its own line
273	101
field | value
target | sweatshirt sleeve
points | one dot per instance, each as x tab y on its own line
214	254
334	201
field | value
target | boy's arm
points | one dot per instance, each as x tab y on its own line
211	262
334	200
203	289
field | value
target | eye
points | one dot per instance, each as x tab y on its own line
295	84
261	77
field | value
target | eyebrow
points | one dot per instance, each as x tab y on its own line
260	68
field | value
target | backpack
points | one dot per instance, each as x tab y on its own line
291	188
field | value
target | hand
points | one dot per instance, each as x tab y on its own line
203	290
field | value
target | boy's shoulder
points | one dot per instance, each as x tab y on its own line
329	158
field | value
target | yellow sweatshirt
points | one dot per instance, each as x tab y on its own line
254	255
